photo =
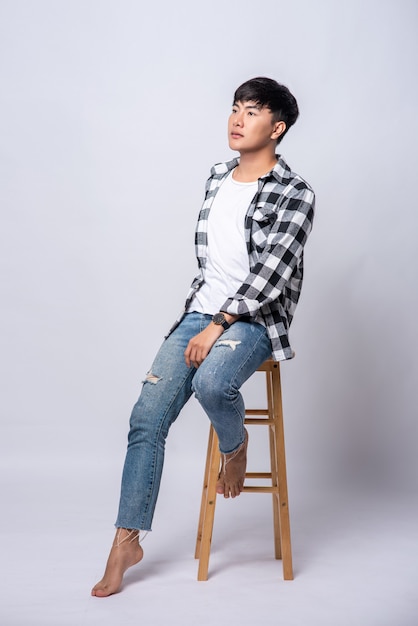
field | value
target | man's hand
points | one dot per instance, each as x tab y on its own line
200	345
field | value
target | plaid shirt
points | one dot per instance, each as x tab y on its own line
277	224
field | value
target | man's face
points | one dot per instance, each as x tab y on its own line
251	127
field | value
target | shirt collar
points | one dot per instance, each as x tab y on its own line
281	171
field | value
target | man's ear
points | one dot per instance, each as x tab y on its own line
279	128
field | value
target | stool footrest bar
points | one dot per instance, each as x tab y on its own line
257	421
267	475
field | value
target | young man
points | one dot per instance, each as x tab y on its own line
250	235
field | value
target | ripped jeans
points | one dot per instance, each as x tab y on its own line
232	360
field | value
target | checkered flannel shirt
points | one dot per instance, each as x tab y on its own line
277	224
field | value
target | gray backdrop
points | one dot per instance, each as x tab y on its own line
111	117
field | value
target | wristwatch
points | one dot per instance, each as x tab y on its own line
219	320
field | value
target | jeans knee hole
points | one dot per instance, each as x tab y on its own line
228	342
151	378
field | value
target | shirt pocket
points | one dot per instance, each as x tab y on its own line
264	215
262	220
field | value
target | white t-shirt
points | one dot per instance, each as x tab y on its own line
227	263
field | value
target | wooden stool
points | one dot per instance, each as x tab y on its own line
273	418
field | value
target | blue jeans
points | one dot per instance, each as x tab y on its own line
169	384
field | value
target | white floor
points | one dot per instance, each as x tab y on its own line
355	558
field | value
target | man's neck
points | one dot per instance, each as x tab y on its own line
251	167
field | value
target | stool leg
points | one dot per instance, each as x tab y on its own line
275	499
204	500
281	477
273	466
208	514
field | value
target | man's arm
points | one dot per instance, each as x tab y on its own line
284	246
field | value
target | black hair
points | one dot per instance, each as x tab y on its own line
268	93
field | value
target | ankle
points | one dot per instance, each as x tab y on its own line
125	535
128	536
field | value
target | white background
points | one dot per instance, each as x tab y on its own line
111	115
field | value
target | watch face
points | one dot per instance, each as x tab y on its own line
218	318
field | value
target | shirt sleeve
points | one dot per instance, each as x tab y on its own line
291	223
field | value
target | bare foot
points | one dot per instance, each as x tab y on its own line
231	477
125	552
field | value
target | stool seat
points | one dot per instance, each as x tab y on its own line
272	417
